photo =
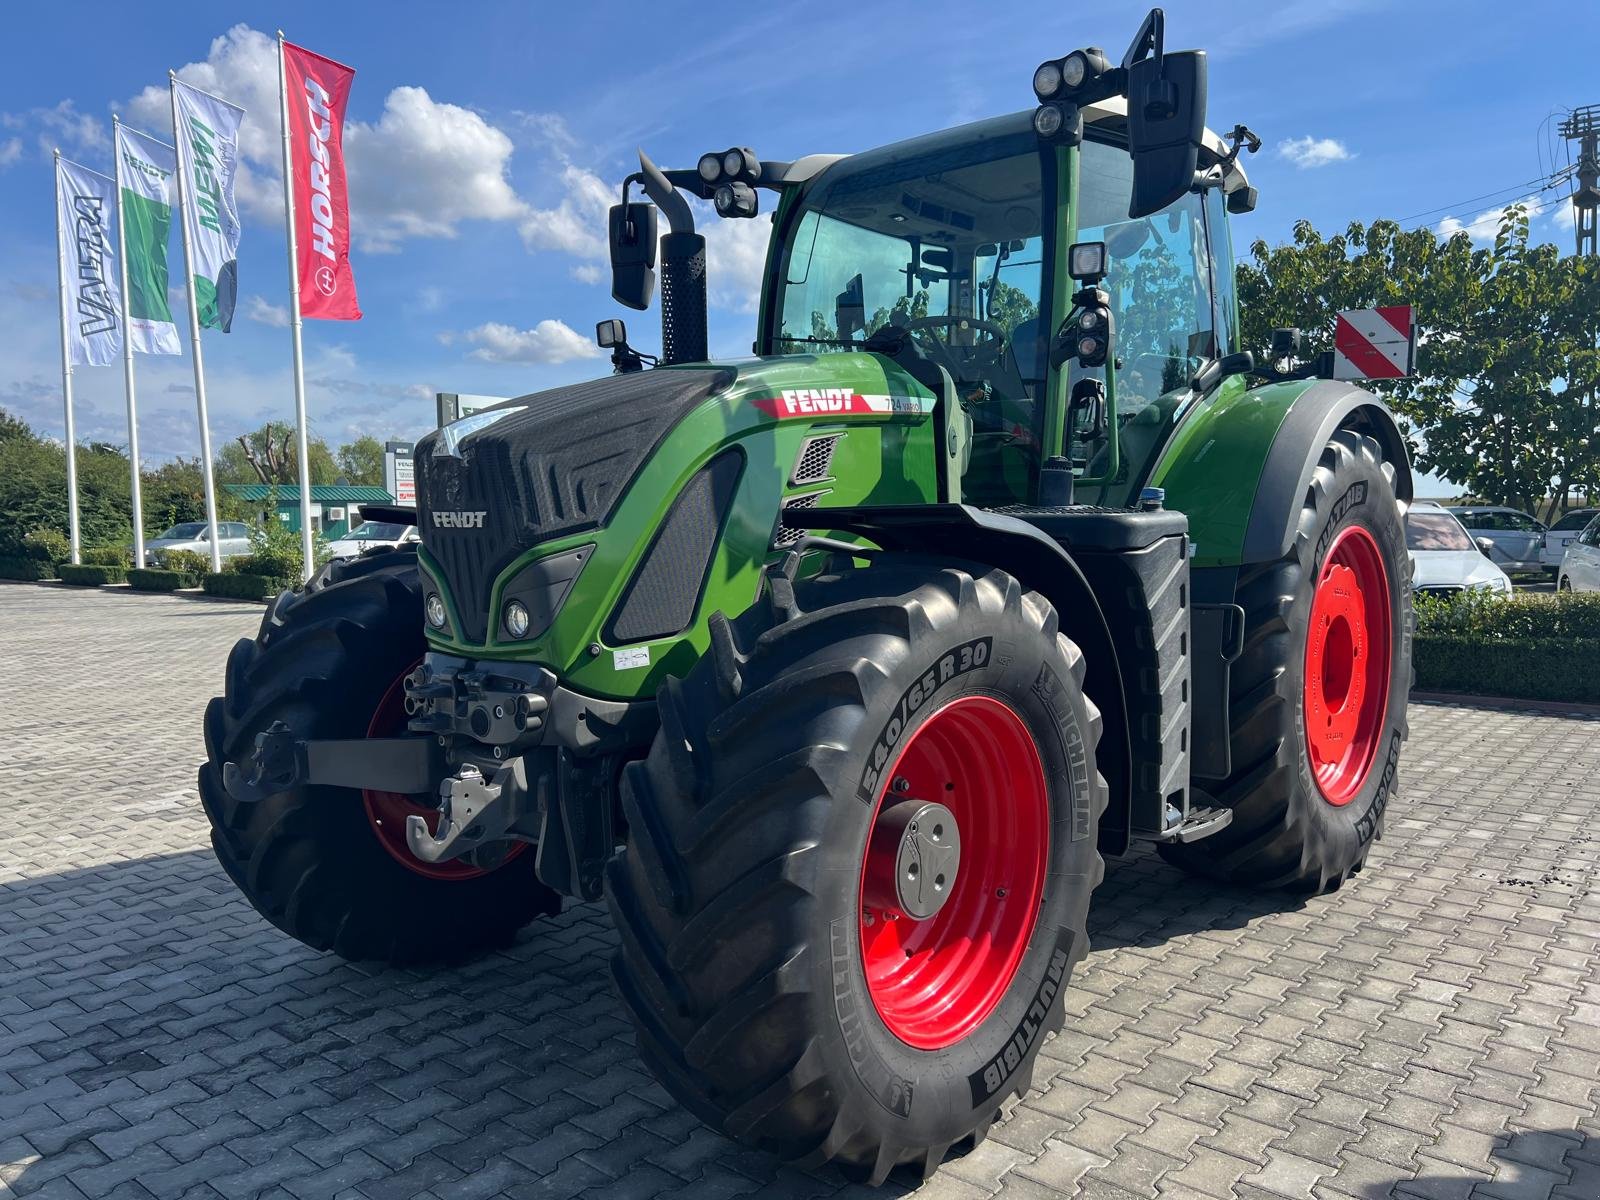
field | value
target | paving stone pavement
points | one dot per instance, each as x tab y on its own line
1433	1030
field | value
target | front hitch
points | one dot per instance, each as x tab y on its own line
280	762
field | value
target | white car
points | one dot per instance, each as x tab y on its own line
1563	531
1446	561
371	534
1580	568
233	539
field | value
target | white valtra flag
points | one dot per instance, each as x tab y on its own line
147	169
208	154
86	216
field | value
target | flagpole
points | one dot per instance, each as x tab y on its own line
66	379
194	331
127	353
306	552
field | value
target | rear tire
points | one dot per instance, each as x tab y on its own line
1293	828
310	860
742	896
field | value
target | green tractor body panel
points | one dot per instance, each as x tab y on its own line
765	414
1212	466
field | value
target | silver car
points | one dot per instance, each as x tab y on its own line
1580	568
233	539
1515	539
1562	532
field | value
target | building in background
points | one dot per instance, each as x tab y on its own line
335	507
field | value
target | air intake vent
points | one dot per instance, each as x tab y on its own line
786	536
816	459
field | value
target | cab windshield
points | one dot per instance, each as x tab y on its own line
949	242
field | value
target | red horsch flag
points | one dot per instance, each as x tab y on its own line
317	89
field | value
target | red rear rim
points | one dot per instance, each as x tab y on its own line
1347	665
934	981
387	811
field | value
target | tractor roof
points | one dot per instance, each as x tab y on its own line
1111	114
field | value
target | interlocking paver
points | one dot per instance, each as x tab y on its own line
1431	1030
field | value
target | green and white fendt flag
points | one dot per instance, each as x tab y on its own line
207	131
148	171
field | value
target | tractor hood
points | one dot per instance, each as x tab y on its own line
504	479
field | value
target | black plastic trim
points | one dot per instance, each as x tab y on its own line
1322	409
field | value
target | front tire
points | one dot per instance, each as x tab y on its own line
776	987
1318	695
329	865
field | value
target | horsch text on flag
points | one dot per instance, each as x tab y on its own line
316	91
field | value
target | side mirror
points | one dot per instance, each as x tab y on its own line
1485	545
850	309
610	333
632	229
1166	125
1087	410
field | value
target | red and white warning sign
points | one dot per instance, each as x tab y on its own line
1375	343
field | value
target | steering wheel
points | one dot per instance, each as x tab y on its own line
989	348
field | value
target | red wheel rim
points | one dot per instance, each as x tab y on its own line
934	981
387	811
1347	665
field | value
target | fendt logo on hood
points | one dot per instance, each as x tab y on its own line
459	520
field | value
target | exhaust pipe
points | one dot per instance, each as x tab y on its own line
683	271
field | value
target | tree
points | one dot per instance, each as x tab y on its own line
361	461
1504	399
33	489
267	455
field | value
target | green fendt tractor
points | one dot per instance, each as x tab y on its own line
838	669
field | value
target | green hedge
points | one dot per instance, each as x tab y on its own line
1528	646
159	581
107	556
91	575
238	586
26	568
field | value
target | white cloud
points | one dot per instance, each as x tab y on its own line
1484	226
1308	152
576	225
60	126
736	257
424	168
588	273
257	309
549	341
419	171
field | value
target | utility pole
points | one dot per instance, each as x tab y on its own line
1583	127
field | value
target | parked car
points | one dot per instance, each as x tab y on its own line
1580	567
370	534
1562	532
1517	538
233	538
1445	559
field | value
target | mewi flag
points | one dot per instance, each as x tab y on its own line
207	131
86	214
147	169
317	89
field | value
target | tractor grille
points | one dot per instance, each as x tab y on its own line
556	463
786	536
815	459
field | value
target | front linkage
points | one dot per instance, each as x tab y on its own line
506	754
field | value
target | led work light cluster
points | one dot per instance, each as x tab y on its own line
731	176
1062	85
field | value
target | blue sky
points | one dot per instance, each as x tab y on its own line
487	138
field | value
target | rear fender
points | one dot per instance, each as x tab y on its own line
1239	465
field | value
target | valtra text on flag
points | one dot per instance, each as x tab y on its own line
318	89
